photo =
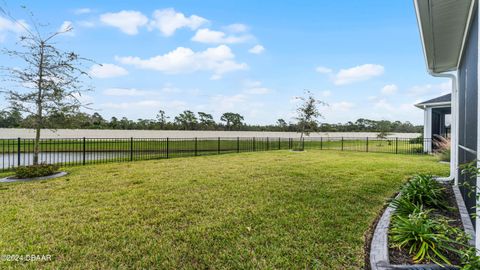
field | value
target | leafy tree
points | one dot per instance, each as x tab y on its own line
12	118
97	120
308	113
187	120
113	123
124	123
162	119
206	120
232	120
45	79
282	124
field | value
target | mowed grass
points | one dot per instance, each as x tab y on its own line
266	210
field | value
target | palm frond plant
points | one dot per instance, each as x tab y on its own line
425	190
426	238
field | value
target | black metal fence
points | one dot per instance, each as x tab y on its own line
82	151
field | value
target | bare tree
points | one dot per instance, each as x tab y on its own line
45	79
308	113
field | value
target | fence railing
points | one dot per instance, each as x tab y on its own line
82	151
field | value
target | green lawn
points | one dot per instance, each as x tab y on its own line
278	209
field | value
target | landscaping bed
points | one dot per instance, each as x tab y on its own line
426	225
401	256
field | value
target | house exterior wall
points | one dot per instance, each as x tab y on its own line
468	111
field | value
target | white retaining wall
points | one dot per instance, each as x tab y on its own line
10	133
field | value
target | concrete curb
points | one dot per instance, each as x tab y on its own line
11	179
379	257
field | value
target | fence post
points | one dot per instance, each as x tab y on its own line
196	147
342	143
131	148
167	147
321	143
84	150
218	144
18	152
238	144
279	143
254	146
268	144
367	144
303	144
396	145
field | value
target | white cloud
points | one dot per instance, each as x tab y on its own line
168	21
7	26
67	28
383	105
107	71
236	28
358	73
323	70
122	92
133	105
326	93
134	92
389	89
83	98
80	11
87	24
257	49
337	111
228	103
128	21
219	60
431	89
256	88
206	35
343	106
258	91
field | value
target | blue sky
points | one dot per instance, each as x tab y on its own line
364	58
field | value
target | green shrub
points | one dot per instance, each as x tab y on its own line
425	238
404	207
417	140
425	190
36	170
444	155
470	260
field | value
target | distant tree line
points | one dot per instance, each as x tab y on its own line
188	120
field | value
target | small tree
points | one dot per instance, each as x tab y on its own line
46	80
308	114
383	132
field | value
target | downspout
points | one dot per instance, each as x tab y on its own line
454	125
454	106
